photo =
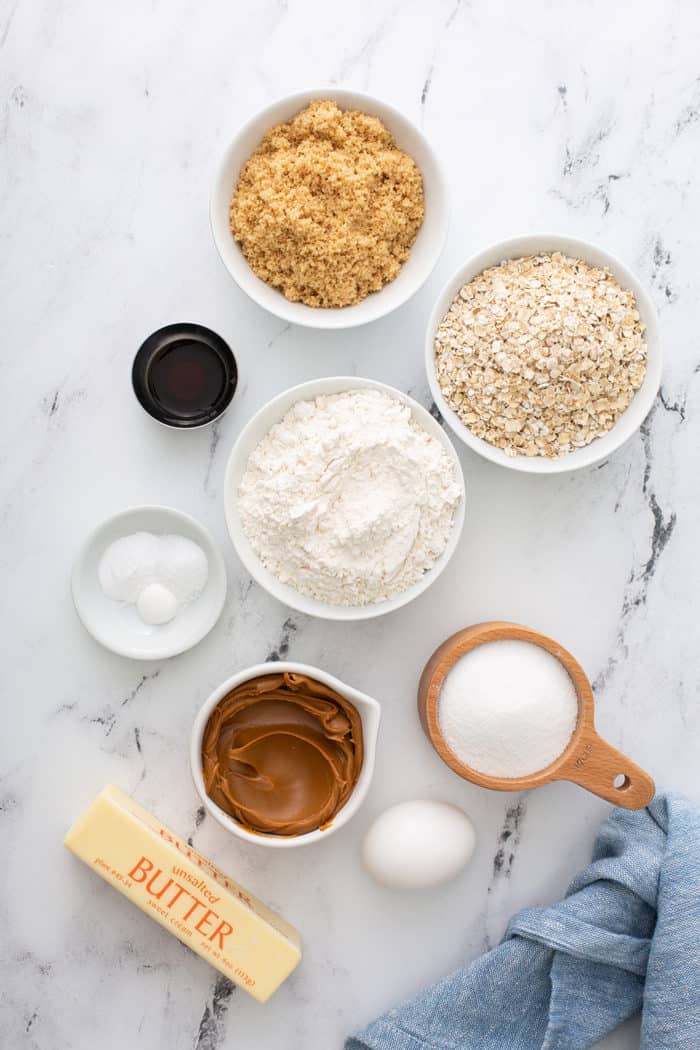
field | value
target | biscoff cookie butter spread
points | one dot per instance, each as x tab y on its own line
282	753
328	207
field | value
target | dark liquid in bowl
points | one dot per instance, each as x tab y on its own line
185	375
187	378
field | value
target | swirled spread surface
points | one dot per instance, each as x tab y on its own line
282	753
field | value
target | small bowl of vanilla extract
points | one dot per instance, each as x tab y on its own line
185	375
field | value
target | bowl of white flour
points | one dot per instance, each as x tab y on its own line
344	498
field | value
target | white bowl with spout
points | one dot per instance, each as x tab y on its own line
369	711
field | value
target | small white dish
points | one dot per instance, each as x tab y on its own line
424	253
118	626
628	423
369	711
250	437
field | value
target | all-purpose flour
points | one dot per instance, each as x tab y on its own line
348	499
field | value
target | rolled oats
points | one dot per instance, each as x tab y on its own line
541	355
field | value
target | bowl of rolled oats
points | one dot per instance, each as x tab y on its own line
543	353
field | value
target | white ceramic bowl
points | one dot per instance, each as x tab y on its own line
250	437
424	253
117	626
369	711
628	423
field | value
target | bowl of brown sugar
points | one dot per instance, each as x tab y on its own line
329	209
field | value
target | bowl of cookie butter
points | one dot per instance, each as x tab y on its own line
283	753
329	208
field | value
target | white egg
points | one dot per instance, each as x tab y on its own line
156	604
418	844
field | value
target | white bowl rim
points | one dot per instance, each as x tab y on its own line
134	652
634	415
287	595
370	712
340	317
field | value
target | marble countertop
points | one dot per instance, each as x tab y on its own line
584	120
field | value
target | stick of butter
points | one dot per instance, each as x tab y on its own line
184	892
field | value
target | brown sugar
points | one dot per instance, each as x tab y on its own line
327	207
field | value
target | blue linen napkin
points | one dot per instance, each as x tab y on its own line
625	938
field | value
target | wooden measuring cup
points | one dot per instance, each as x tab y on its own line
587	760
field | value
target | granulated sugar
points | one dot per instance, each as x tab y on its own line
507	708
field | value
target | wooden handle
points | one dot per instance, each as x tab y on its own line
601	768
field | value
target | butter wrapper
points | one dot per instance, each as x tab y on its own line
185	893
